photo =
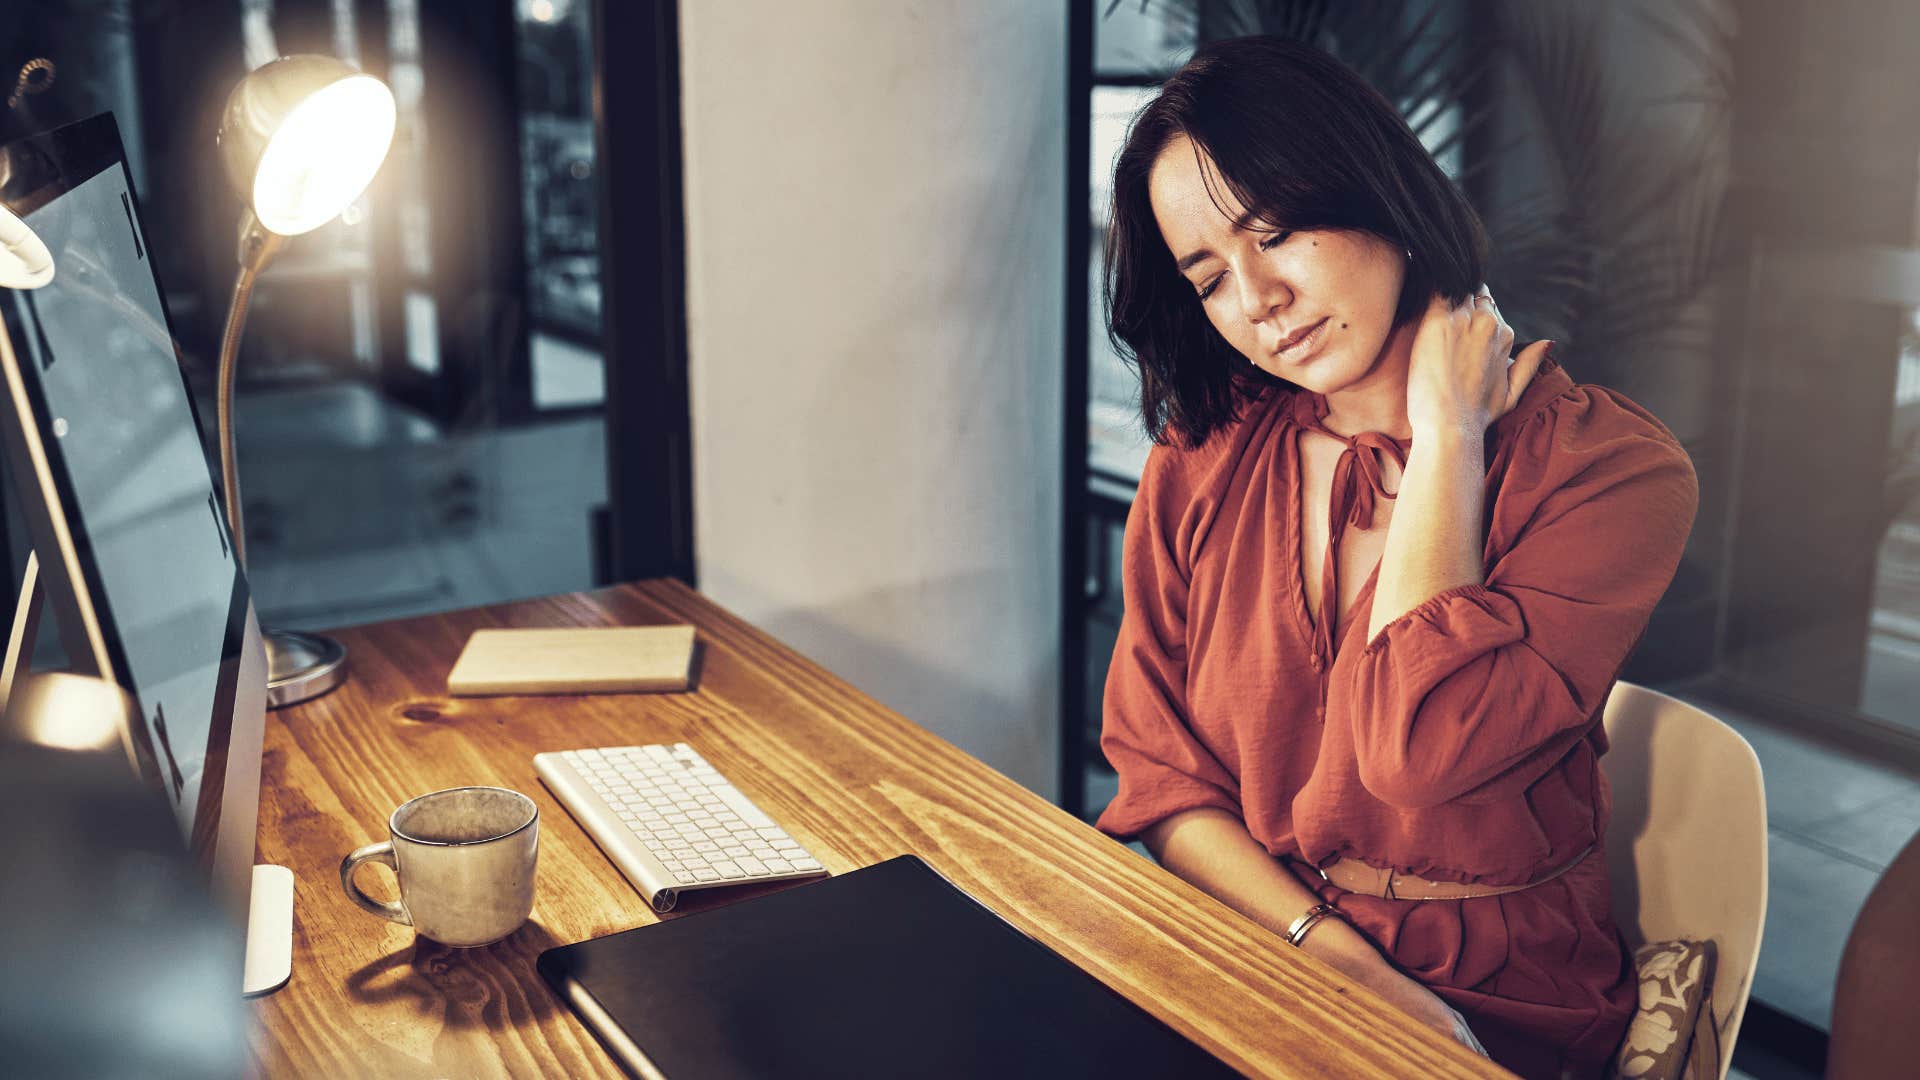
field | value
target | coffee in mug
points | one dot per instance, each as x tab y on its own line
465	860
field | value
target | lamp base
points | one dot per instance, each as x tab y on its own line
301	667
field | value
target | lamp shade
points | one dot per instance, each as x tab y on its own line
69	712
25	262
302	137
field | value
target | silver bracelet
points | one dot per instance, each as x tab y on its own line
1297	930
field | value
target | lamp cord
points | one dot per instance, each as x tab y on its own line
36	77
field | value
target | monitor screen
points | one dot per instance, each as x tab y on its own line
122	444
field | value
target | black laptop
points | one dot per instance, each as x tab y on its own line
887	971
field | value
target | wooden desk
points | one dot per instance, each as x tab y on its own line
853	781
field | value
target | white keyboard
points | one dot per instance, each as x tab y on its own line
670	821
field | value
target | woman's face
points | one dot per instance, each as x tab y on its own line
1314	307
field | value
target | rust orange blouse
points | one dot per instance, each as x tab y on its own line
1461	743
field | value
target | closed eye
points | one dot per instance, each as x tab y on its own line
1268	244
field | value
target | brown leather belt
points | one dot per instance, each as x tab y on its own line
1354	876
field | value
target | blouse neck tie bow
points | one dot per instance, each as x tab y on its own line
1357	483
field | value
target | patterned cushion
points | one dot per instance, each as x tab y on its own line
1672	1035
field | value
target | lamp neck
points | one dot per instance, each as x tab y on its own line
258	244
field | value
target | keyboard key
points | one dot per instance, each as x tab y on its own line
752	865
806	864
727	867
706	875
779	866
744	807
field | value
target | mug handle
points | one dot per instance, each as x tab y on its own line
380	852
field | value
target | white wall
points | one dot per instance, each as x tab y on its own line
875	266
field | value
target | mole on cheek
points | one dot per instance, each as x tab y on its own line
1343	326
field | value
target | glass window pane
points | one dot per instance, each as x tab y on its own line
556	151
1133	38
1892	680
1117	445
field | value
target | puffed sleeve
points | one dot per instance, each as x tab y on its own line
1478	691
1163	768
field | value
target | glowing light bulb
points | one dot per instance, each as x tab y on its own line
25	262
323	155
69	712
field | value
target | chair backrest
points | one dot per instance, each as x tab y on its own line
1687	845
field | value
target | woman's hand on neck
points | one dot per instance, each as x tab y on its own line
1377	401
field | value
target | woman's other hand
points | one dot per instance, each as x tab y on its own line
1337	943
1423	1005
1460	376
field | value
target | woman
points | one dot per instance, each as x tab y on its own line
1379	578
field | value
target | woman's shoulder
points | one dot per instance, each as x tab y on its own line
1561	432
1176	465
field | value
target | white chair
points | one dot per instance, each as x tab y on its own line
1687	846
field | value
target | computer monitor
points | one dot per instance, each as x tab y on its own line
104	446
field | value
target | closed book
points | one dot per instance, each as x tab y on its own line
591	660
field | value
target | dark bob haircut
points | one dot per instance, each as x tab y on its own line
1303	142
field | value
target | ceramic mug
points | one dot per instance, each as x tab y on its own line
465	859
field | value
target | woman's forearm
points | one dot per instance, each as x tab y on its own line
1433	540
1212	849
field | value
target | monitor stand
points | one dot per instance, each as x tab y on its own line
270	904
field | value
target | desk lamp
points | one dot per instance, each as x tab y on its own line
301	137
25	262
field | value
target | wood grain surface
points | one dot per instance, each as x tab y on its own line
853	781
